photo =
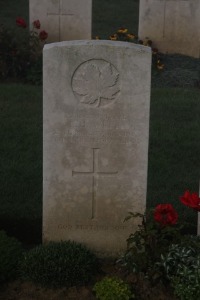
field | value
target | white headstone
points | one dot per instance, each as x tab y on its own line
63	19
96	129
172	25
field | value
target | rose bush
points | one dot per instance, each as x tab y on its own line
158	230
21	51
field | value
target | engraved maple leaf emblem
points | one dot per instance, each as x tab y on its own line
96	80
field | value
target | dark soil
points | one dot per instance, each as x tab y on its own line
19	290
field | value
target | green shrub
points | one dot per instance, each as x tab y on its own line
111	288
10	254
181	266
59	264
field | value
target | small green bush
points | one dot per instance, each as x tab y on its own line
111	288
181	267
59	264
11	252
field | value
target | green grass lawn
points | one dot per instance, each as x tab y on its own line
21	159
174	147
174	144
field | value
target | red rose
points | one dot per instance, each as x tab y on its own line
36	24
43	35
191	199
165	214
20	22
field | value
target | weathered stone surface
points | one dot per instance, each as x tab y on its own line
63	19
96	128
173	25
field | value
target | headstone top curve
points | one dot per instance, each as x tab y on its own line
116	44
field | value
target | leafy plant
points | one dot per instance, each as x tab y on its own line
11	252
187	287
59	264
159	250
111	288
144	247
181	266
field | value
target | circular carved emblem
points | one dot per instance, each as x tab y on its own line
96	82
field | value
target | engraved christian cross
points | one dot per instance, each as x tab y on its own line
95	173
56	9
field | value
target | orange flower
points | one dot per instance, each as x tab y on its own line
147	42
160	66
122	30
131	36
113	37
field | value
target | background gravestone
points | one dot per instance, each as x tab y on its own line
172	25
96	129
63	19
